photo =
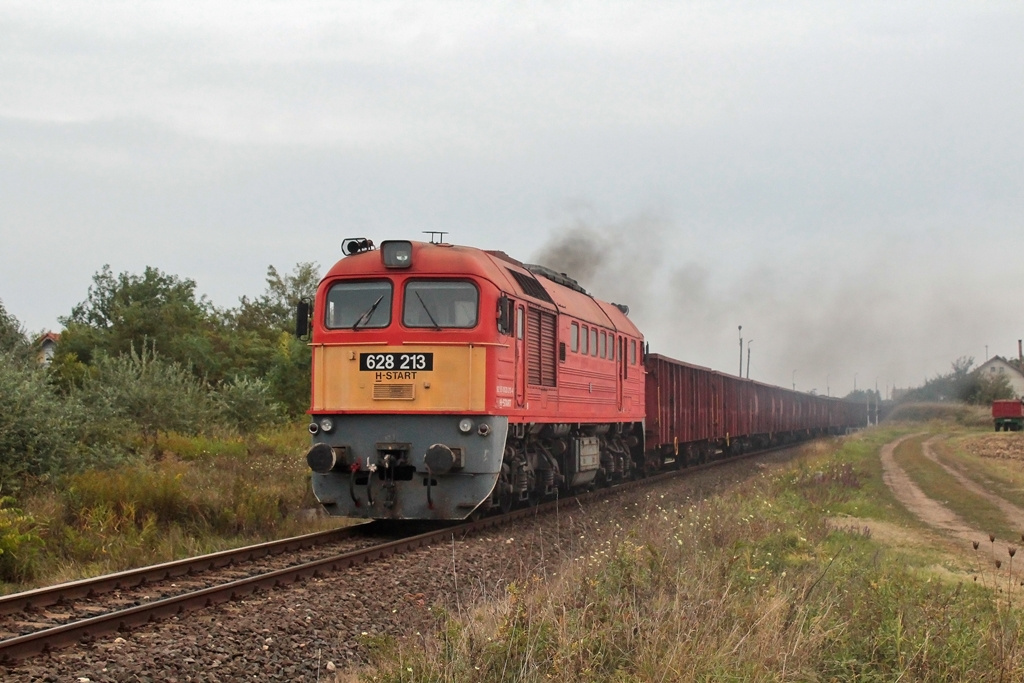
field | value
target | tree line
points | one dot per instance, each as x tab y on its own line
144	354
964	384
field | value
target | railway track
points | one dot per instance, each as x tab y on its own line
49	618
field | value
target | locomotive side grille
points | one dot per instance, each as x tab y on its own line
530	285
392	392
541	345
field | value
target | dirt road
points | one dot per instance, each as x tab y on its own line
938	516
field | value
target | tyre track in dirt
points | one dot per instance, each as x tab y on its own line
1014	513
928	510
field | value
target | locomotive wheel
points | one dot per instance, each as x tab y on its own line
506	501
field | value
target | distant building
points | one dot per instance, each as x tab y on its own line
46	346
998	364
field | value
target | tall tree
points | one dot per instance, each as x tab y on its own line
274	310
161	310
266	325
12	334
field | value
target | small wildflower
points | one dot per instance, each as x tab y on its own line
992	538
975	544
1012	551
999	563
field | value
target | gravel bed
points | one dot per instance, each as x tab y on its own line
34	619
318	630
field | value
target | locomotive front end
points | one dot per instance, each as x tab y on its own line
401	361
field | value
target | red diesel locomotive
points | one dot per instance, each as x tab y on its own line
449	379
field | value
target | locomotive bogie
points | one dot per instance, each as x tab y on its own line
545	460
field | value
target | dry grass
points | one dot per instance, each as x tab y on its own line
944	414
202	495
940	485
755	585
995	461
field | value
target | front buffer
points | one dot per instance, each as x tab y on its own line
392	466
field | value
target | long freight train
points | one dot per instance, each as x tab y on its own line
448	380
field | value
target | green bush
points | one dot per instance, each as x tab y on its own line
154	394
37	430
12	335
20	544
247	405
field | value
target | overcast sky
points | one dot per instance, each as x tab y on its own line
842	179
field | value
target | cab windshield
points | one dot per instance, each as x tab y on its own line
440	303
357	305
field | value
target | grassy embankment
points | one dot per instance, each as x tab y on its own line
807	572
200	495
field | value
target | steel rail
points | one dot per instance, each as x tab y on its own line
58	636
133	578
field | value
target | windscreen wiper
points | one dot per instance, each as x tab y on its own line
436	326
365	317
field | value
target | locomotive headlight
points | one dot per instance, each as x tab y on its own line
465	425
396	253
326	424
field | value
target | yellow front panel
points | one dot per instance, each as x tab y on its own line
456	383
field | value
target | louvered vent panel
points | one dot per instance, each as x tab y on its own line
392	392
541	348
530	285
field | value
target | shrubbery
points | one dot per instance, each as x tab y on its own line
247	404
144	355
217	346
153	394
20	543
146	436
38	429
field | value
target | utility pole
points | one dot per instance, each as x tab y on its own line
741	349
749	342
794	380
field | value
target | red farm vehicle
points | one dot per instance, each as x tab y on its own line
1008	415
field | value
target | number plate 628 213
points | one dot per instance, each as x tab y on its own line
375	362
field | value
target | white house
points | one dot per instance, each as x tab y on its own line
997	364
46	346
